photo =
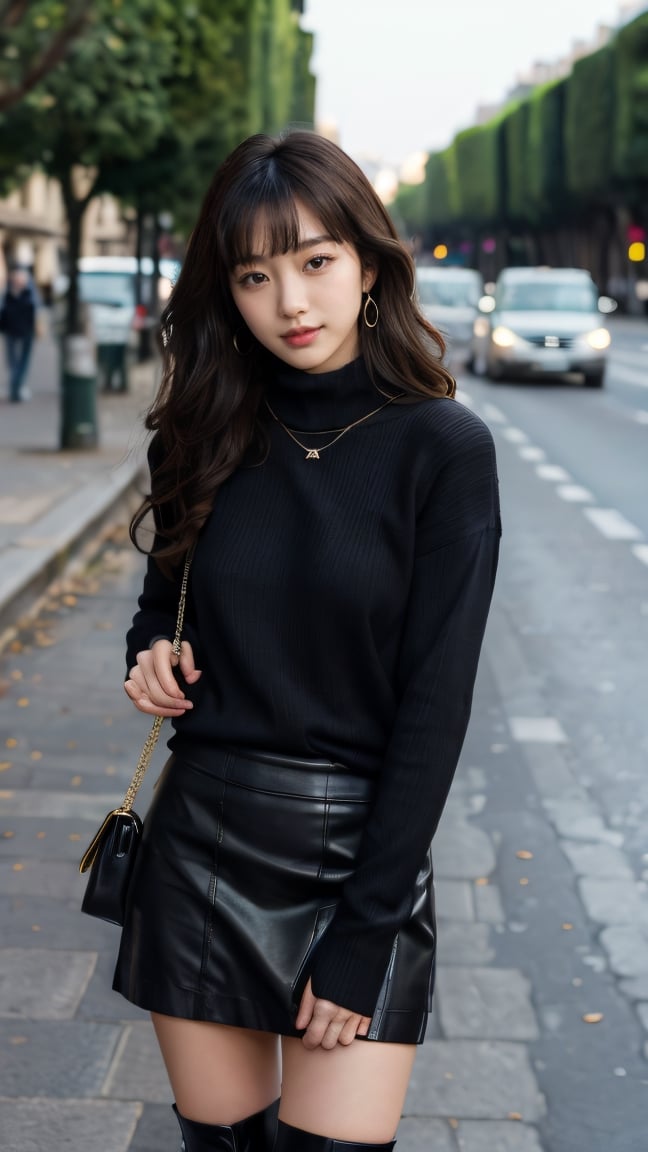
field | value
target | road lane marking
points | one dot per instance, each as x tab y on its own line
574	494
641	416
631	376
530	452
515	435
641	552
464	398
553	472
537	730
494	415
612	524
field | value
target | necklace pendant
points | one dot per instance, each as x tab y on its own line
312	454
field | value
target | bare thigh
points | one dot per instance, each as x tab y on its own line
218	1074
353	1092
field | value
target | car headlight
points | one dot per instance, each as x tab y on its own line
599	339
503	337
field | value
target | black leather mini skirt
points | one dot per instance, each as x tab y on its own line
241	864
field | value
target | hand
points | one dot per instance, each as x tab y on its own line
152	686
328	1024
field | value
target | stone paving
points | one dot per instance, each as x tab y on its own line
537	1042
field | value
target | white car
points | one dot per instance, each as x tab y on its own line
542	321
107	287
448	298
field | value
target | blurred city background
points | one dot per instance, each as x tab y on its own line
510	144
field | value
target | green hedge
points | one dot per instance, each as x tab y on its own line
546	187
631	75
479	173
589	125
440	187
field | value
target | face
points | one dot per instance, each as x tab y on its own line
303	305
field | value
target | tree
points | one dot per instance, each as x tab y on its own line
34	38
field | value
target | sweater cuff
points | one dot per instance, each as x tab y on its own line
349	970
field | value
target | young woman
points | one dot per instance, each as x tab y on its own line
345	514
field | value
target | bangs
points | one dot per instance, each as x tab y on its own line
263	220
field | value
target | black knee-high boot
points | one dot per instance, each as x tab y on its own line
291	1139
253	1134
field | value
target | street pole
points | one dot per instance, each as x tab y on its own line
79	393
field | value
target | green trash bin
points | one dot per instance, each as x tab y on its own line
79	394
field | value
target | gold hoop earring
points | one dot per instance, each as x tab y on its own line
365	314
241	352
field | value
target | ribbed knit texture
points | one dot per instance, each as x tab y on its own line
337	608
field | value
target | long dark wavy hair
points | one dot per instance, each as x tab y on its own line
206	414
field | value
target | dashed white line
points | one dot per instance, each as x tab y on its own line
464	398
530	452
575	494
537	730
641	552
515	435
641	416
612	524
553	472
493	414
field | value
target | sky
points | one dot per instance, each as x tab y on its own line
402	76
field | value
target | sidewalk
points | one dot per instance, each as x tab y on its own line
52	501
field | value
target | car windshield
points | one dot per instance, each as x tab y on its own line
113	288
447	293
548	296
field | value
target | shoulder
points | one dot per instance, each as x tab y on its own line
446	432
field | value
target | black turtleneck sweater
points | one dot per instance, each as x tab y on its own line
337	608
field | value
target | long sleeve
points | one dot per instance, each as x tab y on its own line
454	572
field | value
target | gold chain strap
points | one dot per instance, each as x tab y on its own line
152	738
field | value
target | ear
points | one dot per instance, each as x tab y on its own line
369	277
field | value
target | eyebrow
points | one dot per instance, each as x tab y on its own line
308	242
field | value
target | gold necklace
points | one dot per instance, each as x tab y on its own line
314	453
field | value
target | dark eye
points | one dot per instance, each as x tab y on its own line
316	263
252	278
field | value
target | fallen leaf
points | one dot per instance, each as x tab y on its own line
4	764
524	855
36	927
454	1123
36	755
524	881
16	674
71	744
75	781
482	881
515	1115
74	836
566	927
18	867
17	1039
69	601
23	702
41	835
11	742
4	688
15	646
593	1017
8	835
44	639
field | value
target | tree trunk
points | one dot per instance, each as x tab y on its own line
74	211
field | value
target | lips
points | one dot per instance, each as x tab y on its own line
300	337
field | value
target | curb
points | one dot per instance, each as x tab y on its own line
62	534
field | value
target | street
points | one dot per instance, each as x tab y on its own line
539	1036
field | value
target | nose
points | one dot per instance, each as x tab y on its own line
292	300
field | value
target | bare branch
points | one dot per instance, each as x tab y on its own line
52	55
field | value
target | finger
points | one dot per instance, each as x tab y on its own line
331	1036
324	1015
350	1030
305	1008
187	663
364	1026
164	661
144	703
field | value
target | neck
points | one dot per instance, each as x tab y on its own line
317	401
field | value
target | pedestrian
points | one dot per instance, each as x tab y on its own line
280	922
18	312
